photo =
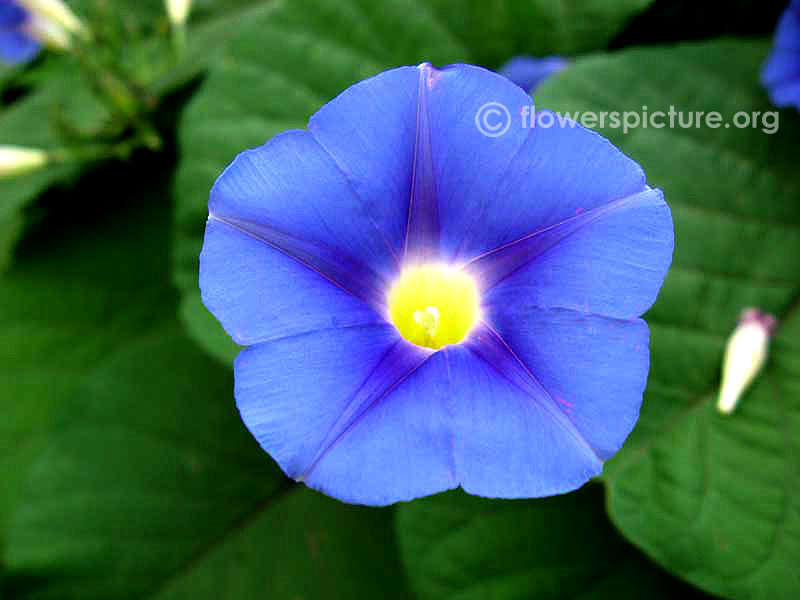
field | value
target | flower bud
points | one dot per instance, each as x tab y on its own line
55	12
48	33
745	355
178	11
15	160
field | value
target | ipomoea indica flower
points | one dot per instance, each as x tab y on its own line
781	72
17	43
26	24
745	355
16	160
57	13
428	306
178	11
528	72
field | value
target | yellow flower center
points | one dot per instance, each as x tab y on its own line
433	305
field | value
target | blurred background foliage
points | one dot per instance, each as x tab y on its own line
126	472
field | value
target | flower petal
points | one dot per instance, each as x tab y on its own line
257	292
512	440
370	131
493	190
369	426
293	195
608	261
474	117
781	72
594	368
528	72
17	48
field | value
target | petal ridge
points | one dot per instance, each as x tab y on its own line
423	227
489	341
348	179
411	360
304	253
496	265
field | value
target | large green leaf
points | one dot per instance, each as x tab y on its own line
714	499
467	548
290	61
67	303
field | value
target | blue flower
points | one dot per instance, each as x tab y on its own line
528	72
17	45
426	306
781	72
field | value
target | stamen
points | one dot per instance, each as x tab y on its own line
433	306
428	319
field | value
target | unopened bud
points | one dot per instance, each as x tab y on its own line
48	33
745	355
178	11
15	160
53	20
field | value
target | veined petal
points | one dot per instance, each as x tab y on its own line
494	190
610	260
291	194
369	131
423	228
593	368
528	72
512	440
464	104
257	292
368	427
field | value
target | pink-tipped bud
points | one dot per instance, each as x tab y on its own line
745	355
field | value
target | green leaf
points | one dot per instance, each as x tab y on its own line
496	31
67	303
286	63
210	26
714	499
464	547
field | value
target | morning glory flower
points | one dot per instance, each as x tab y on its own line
426	306
27	24
17	44
528	72
781	72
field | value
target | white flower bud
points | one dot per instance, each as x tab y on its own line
745	355
48	33
178	11
15	160
56	13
